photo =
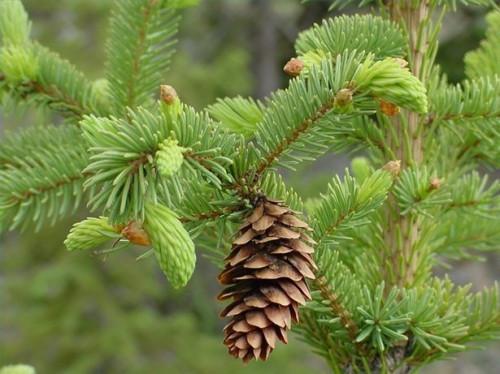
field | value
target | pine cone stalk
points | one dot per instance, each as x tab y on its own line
265	275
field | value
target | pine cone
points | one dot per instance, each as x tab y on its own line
266	273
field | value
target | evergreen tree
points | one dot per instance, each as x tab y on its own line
163	175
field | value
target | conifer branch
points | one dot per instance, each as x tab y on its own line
300	130
344	88
52	97
301	123
373	35
469	104
46	186
138	51
323	341
32	72
132	152
48	95
139	48
338	310
346	206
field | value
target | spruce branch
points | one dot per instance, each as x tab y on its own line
461	318
347	206
51	81
465	103
361	133
329	81
338	309
475	196
64	87
18	146
334	298
460	237
33	73
469	114
44	186
124	164
139	49
417	192
374	35
383	321
320	339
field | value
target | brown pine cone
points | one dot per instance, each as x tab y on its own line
265	273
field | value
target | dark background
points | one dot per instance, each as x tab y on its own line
81	313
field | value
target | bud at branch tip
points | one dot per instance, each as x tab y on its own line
168	94
294	67
393	167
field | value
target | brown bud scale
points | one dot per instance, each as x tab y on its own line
167	94
435	184
389	109
294	67
393	167
135	234
343	97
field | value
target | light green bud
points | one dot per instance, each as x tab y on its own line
169	157
172	244
389	80
90	233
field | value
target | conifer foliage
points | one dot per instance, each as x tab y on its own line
357	278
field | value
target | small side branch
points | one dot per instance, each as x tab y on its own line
285	143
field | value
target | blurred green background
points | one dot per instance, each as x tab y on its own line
84	313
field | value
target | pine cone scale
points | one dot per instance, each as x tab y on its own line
263	223
265	275
257	319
